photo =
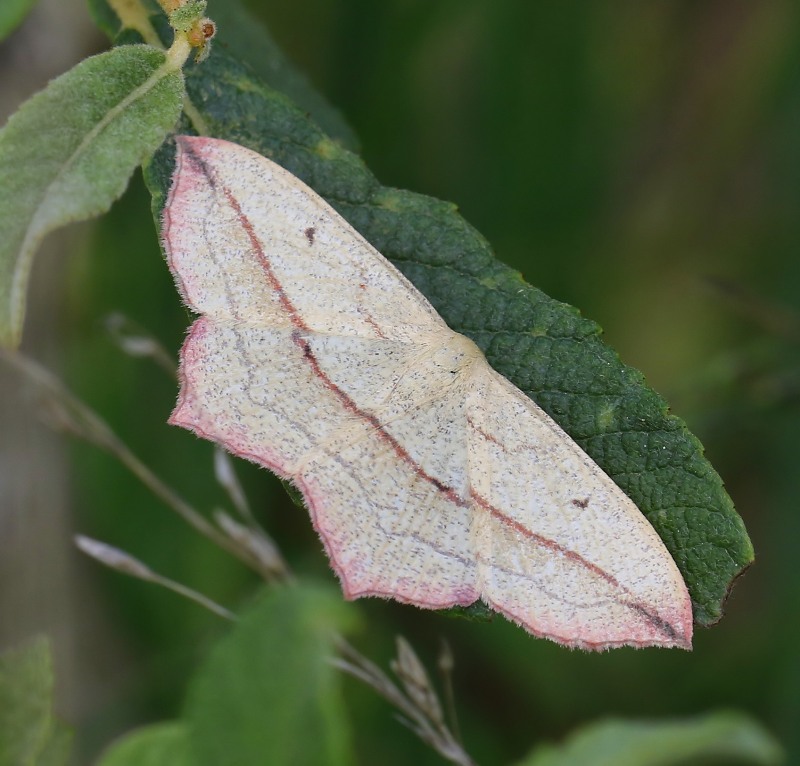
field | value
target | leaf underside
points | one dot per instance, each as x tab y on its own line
69	151
543	346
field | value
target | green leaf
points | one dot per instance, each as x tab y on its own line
26	689
12	14
29	735
162	744
69	151
717	738
268	693
544	347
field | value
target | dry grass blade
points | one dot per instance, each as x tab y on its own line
419	706
136	342
411	672
226	477
261	547
67	412
120	561
249	535
446	663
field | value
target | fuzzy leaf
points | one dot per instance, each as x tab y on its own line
69	151
726	737
162	744
268	692
28	732
544	347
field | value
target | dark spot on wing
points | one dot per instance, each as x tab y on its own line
310	232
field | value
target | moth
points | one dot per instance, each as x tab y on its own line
429	477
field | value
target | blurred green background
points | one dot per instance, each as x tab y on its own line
638	160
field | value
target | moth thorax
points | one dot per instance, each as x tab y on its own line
456	354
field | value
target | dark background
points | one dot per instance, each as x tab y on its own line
638	160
